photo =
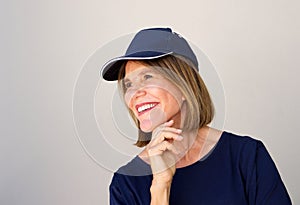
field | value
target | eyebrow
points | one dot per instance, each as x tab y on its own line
147	70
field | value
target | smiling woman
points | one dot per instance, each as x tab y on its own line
181	162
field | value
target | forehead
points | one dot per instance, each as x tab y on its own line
133	68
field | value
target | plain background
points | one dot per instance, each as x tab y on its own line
254	46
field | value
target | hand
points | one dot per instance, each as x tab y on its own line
162	153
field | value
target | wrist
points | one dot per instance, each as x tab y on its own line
160	193
158	184
157	187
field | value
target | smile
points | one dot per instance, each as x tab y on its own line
144	107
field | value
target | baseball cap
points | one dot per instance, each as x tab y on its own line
151	43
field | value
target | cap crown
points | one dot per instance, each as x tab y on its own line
150	44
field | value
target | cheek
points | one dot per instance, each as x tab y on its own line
128	99
174	104
173	97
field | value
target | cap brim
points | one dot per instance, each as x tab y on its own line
110	70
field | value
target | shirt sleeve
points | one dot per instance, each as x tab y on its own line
115	194
269	188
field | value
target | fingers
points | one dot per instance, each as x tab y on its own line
163	168
165	136
165	131
160	148
162	139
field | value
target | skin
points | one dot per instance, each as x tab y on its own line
145	85
170	147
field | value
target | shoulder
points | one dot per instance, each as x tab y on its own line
241	142
238	138
243	148
131	183
249	153
249	159
135	167
134	173
233	140
259	172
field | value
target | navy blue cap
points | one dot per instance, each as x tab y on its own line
150	43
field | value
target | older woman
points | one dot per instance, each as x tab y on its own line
184	160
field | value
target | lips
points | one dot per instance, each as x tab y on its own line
145	107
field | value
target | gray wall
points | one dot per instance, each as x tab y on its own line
254	46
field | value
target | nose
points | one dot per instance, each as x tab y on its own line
134	94
139	92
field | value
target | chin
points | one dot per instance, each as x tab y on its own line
150	125
146	128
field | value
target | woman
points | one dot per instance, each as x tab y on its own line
184	160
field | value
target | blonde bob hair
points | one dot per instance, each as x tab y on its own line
182	73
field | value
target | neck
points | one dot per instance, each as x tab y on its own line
193	143
193	147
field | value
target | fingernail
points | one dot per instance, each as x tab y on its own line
169	122
179	137
179	131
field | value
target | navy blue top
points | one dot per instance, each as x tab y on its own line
239	171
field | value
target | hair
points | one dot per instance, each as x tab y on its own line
183	74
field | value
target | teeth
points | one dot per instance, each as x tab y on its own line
145	107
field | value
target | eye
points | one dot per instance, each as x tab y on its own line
147	76
127	85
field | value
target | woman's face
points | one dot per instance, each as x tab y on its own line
152	98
